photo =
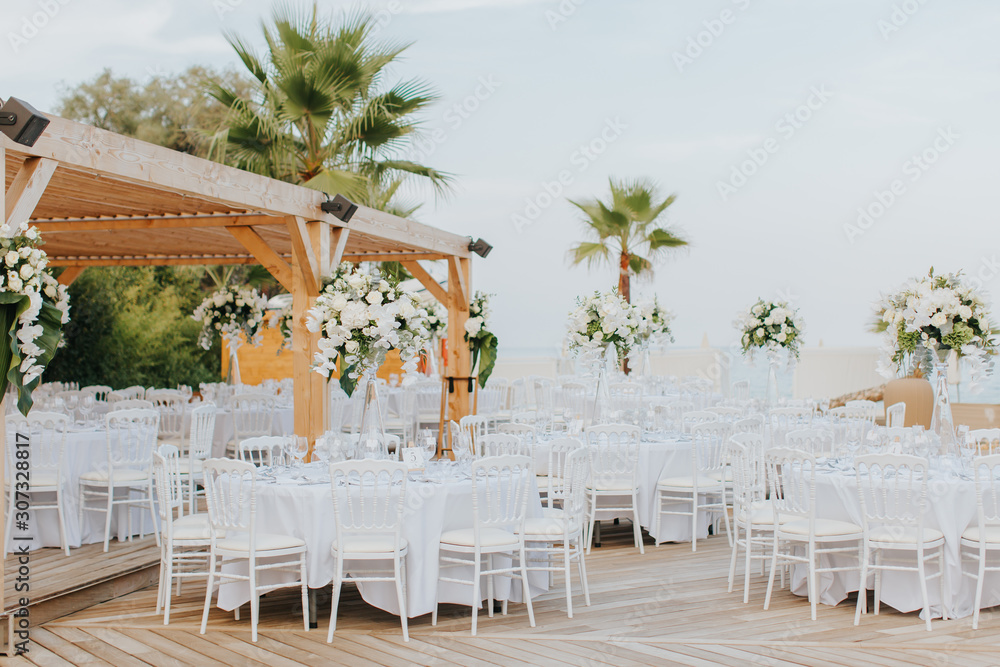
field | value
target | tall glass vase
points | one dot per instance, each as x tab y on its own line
602	395
233	372
771	391
432	360
942	423
372	442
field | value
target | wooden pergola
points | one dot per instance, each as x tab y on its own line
103	199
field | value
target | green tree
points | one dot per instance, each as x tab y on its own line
628	233
321	112
132	325
165	110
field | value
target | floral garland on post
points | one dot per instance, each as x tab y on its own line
604	319
482	342
935	314
32	321
231	311
360	317
772	326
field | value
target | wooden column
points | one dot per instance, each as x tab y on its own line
310	387
459	281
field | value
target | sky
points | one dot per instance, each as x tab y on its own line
821	152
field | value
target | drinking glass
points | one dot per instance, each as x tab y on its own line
86	409
298	449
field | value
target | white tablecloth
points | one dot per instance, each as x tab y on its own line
86	450
670	457
283	423
306	512
951	509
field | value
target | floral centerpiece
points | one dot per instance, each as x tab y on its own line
437	328
924	321
934	314
360	317
600	320
770	325
655	323
482	342
30	318
234	313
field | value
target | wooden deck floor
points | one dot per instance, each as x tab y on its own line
667	607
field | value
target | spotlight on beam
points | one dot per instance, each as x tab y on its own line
340	207
480	247
22	122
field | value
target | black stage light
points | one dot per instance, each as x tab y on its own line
22	122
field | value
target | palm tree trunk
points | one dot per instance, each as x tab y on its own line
623	290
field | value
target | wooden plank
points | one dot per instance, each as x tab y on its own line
269	259
459	358
153	261
69	274
305	256
458	282
391	256
319	239
157	222
425	278
338	243
26	189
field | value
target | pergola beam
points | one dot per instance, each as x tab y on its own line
153	260
338	243
69	274
165	222
269	259
26	189
427	280
390	256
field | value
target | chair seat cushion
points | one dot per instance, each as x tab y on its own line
974	534
761	514
903	535
824	527
550	527
368	544
552	512
192	527
265	542
39	479
704	483
120	475
725	474
488	537
543	482
613	485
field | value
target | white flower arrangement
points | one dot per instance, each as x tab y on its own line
437	319
34	324
771	326
935	313
655	323
57	294
604	319
283	320
360	317
229	312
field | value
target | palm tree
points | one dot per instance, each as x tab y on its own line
627	231
320	112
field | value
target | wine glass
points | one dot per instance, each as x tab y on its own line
297	448
86	408
427	440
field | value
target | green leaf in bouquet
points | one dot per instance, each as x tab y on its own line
347	383
489	358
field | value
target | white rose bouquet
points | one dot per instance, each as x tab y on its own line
482	342
655	323
604	319
437	319
32	322
360	317
283	320
935	313
229	312
772	326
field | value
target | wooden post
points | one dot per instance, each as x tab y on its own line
458	349
310	387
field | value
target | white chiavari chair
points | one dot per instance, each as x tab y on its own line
614	468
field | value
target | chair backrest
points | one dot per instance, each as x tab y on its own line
231	495
892	488
573	399
791	474
694	417
502	444
727	414
918	396
556	479
868	409
368	498
575	473
460	440
984	441
895	415
816	441
518	395
253	415
131	438
131	404
490	399
614	454
748	473
626	399
98	391
986	473
339	402
47	437
202	431
476	426
263	450
708	443
160	396
173	412
500	490
526	432
741	390
167	478
751	424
